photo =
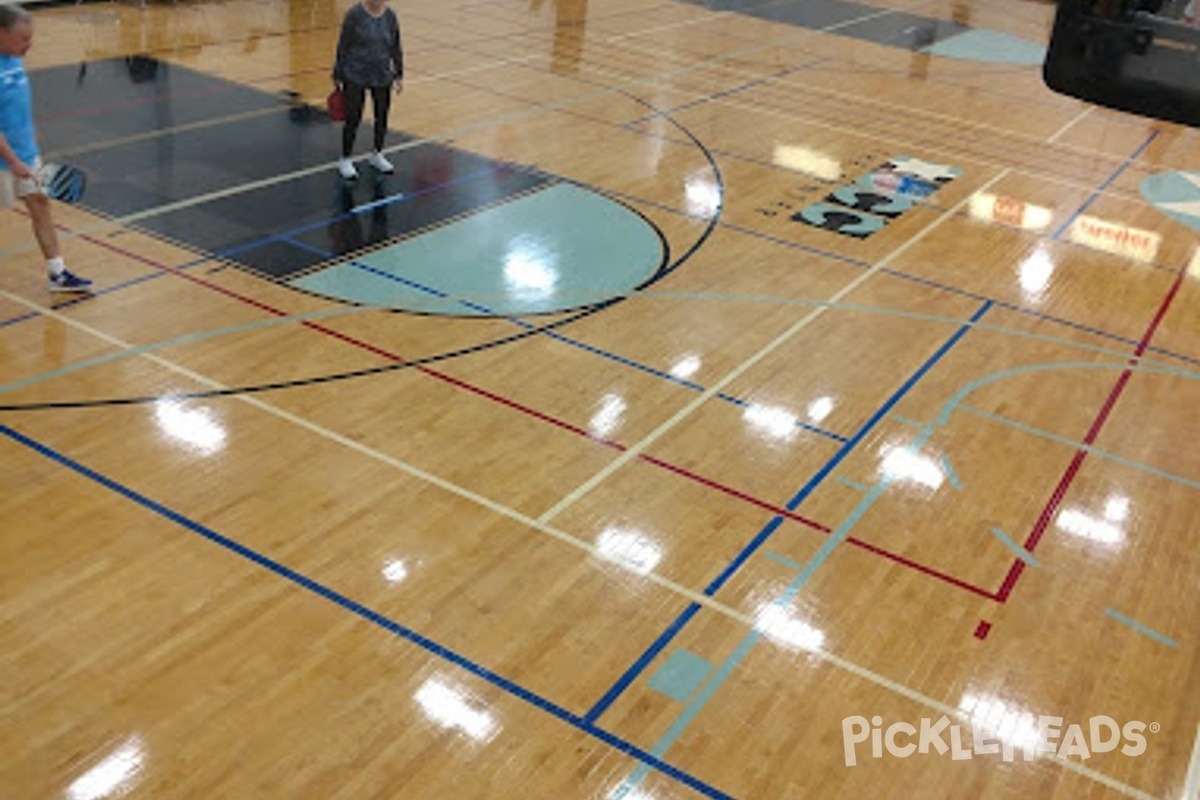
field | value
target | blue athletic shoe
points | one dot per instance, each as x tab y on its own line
66	282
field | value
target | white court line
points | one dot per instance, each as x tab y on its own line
1071	124
678	589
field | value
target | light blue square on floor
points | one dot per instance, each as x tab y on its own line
681	675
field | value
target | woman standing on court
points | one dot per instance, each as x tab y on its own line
369	59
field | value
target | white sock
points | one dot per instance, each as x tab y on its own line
55	266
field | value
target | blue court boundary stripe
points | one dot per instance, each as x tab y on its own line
445	653
643	661
1096	194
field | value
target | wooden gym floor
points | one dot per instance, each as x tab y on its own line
603	451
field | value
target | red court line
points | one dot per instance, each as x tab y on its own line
1064	484
558	423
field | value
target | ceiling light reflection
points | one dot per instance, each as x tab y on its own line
1010	211
1119	240
686	367
809	161
529	268
1006	722
1035	273
115	774
195	427
394	571
629	548
901	463
608	418
1086	526
450	709
775	621
820	408
702	195
777	423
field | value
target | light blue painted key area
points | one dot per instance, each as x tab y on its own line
989	47
559	248
681	675
1176	194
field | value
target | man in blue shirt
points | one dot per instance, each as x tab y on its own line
19	158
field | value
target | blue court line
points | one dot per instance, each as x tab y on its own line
757	542
1088	203
648	760
1140	628
23	318
564	339
860	487
948	468
1018	551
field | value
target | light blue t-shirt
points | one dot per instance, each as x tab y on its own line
16	110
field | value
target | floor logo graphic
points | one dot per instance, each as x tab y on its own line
865	207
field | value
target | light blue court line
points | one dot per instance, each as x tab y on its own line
787	562
1078	445
1062	366
1088	203
188	338
1140	628
689	714
912	423
681	675
645	759
731	663
861	487
951	475
1019	551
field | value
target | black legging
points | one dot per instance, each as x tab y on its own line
381	101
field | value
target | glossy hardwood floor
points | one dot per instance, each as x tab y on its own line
744	506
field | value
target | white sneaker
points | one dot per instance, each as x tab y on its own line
346	168
380	163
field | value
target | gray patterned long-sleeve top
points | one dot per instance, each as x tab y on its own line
368	51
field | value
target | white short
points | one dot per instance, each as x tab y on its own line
13	188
